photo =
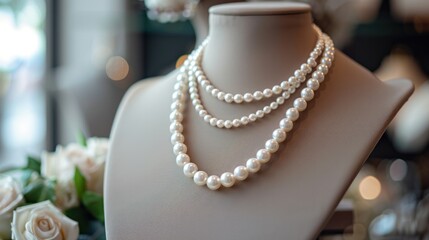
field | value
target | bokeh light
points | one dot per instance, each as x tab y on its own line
117	68
370	188
398	170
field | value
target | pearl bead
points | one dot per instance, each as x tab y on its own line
176	116
313	84
238	98
274	105
179	148
305	68
279	135
220	123
307	94
244	120
213	122
236	123
182	159
194	96
177	106
263	155
323	68
260	114
280	100
268	92
272	145
200	178
292	114
277	89
266	109
227	179
318	75
215	92
202	113
252	117
258	95
300	104
228	123
221	96
196	102
176	126
327	61
298	74
241	173
190	169
209	88
286	124
253	165
207	118
312	62
204	83
292	80
213	182
291	90
177	138
248	97
179	96
229	98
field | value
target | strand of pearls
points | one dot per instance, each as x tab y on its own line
263	155
299	76
293	83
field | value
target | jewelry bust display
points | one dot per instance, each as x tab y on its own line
252	47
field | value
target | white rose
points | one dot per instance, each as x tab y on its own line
10	198
42	221
166	5
55	166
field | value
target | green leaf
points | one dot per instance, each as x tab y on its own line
40	190
81	139
79	182
82	216
33	164
94	203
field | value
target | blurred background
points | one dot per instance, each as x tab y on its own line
65	65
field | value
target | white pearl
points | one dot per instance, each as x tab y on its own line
202	113
176	116
312	62
213	122
241	173
244	120
190	169
260	114
263	155
252	117
177	138
179	96
258	95
221	96
179	148
327	61
220	123
280	100
305	68
236	123
313	84
300	104
307	94
291	90
286	94
199	107
292	80
177	106
228	124
323	68
207	118
209	88
238	98
196	102
200	178
286	124
248	97
268	92
285	85
318	75
195	96
176	126
277	89
213	182
274	105
215	92
182	159
272	145
292	114
298	74
266	110
279	135
229	98
227	179
314	54
204	83
253	165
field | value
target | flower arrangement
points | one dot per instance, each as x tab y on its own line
59	196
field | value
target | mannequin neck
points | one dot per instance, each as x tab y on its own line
200	20
258	41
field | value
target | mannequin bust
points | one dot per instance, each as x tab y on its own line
252	46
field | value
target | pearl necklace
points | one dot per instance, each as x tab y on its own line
299	76
252	165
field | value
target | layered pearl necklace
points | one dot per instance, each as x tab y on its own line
191	76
